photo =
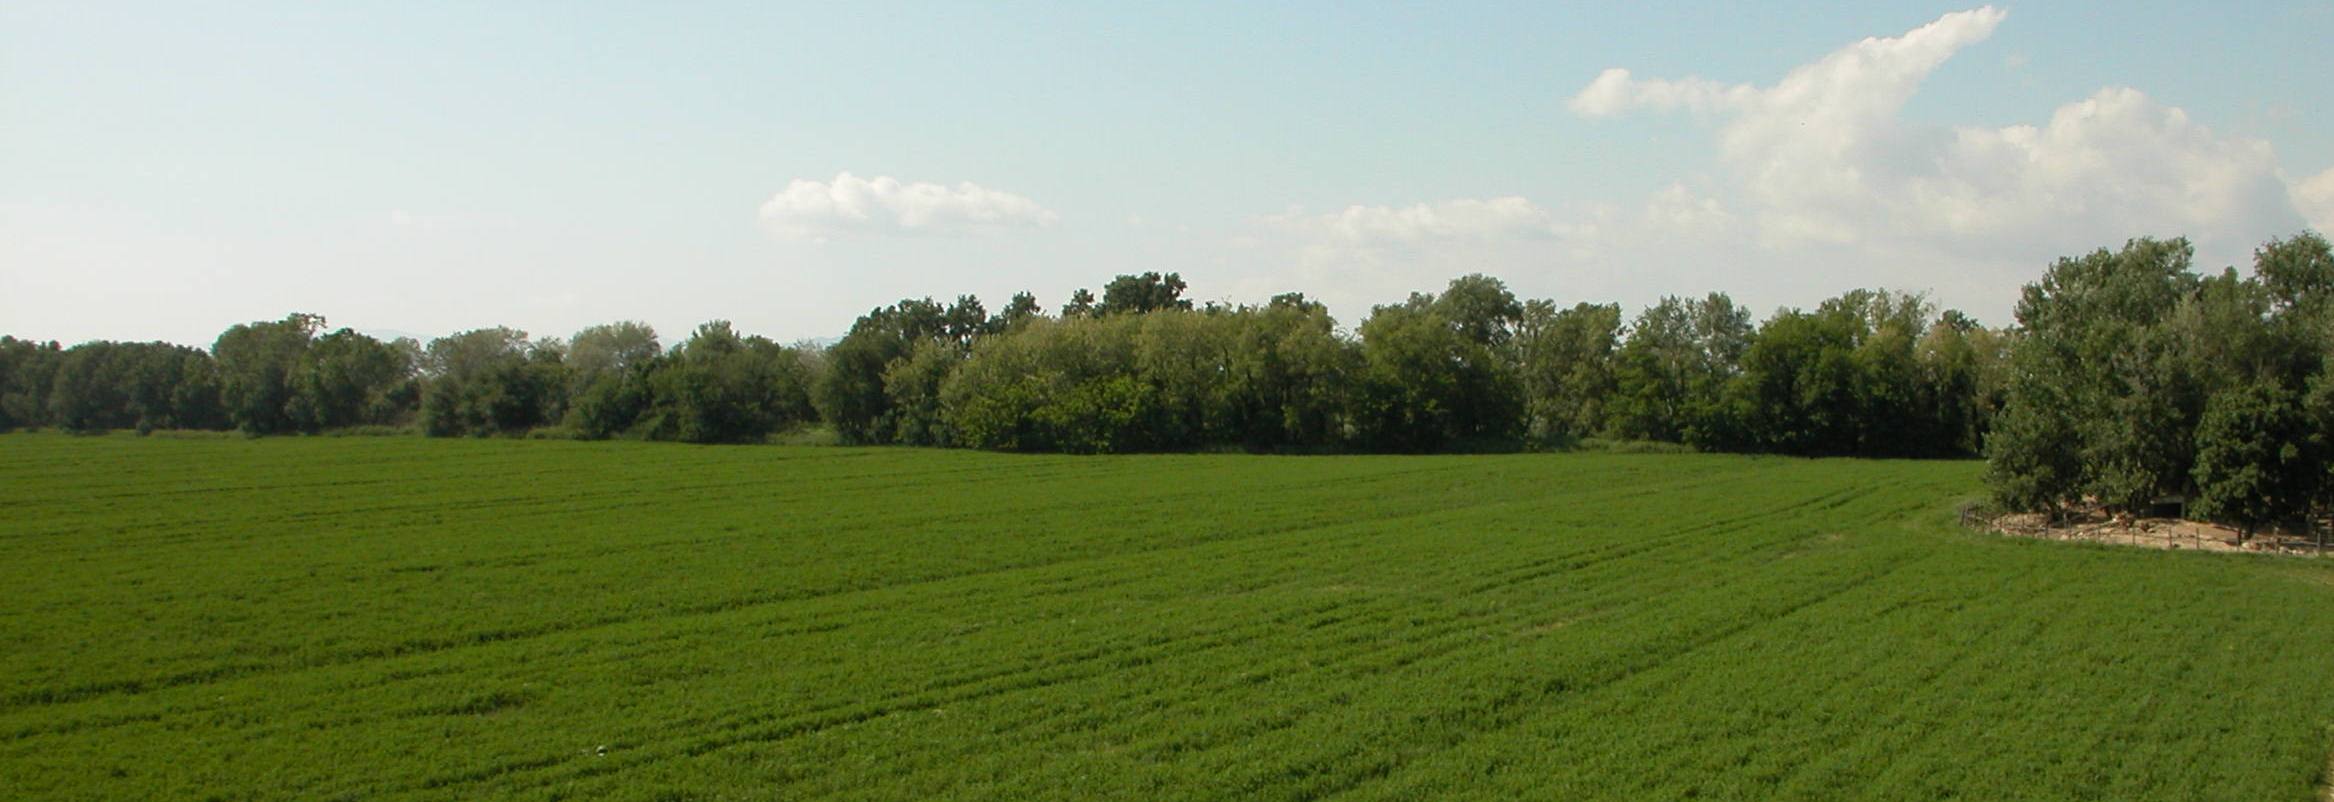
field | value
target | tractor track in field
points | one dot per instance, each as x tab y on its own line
2326	780
1103	660
1513	709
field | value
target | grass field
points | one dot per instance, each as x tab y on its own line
398	618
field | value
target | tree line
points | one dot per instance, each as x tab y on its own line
1139	368
2126	378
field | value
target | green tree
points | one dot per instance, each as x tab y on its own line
1068	384
1022	307
1966	367
1670	371
2252	466
1185	358
964	320
850	392
912	387
1137	294
1431	380
1482	309
89	393
347	378
27	369
619	348
257	362
100	386
2298	272
1566	366
1081	304
2034	460
2094	350
609	367
1290	376
1798	392
724	387
195	400
490	381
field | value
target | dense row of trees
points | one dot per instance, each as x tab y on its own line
2128	378
287	376
1473	367
1138	368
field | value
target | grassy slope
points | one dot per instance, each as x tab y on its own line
402	618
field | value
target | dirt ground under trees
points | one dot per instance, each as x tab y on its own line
2156	533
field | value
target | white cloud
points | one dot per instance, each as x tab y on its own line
1822	158
819	210
1615	92
1460	218
1361	255
1364	255
1822	185
2315	197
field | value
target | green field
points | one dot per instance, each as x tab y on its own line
400	618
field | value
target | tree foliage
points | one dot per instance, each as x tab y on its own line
257	363
723	387
491	381
2133	378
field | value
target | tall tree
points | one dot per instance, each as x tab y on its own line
724	387
257	362
1431	381
1566	363
850	394
1081	304
1669	372
609	366
1022	307
2094	353
1136	294
611	349
912	386
490	381
2252	467
27	369
1481	308
347	378
1290	376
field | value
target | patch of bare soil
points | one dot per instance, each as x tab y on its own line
2326	781
2155	533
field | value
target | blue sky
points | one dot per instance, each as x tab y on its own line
167	170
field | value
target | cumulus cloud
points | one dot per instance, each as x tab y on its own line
1822	157
1820	184
816	211
1460	218
2315	197
1615	92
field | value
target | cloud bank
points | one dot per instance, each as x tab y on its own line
1819	183
817	211
1823	156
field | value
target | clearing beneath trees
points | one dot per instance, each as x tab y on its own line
2156	533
